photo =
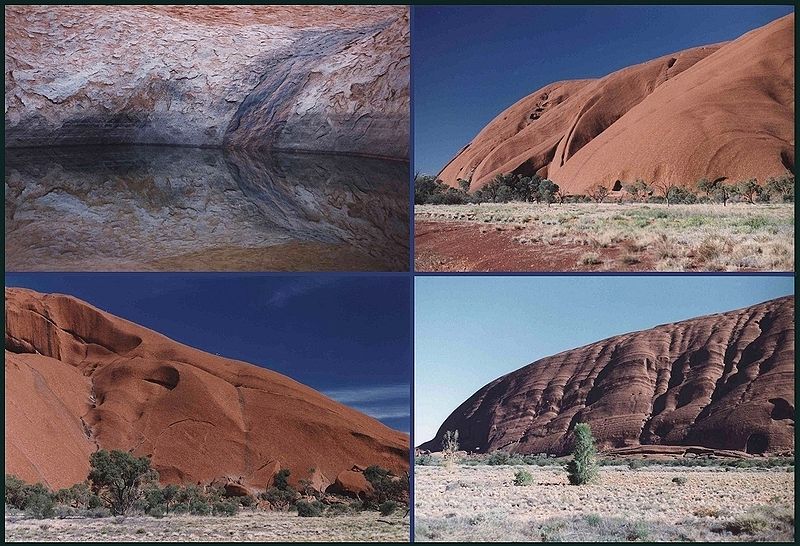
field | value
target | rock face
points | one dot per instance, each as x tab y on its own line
723	381
317	78
170	208
79	379
724	110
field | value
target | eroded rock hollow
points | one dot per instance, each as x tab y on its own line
317	78
723	381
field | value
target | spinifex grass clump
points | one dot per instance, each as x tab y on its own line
582	469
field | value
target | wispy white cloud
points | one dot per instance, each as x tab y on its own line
298	287
372	393
377	401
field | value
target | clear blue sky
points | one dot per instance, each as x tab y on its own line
472	62
347	336
471	330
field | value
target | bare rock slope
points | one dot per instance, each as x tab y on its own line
723	381
318	78
724	110
78	379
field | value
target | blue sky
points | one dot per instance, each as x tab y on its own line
472	62
472	329
347	336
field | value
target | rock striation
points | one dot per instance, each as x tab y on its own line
720	111
723	381
315	78
78	379
171	208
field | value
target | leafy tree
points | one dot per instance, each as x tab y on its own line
723	192
666	188
707	186
450	443
781	187
117	477
679	194
598	192
281	479
547	191
464	185
428	190
749	189
582	469
385	485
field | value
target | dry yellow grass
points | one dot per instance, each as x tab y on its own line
675	238
482	503
253	526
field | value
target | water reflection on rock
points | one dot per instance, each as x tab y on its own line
160	208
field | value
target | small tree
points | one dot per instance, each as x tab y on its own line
450	443
582	469
749	189
464	184
118	477
723	192
781	187
598	192
547	190
667	189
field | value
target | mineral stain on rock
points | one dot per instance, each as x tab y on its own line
723	382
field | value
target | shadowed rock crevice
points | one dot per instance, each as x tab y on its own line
662	386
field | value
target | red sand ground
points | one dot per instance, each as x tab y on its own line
469	246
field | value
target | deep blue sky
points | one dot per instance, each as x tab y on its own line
347	336
471	330
472	62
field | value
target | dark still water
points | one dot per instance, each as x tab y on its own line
150	208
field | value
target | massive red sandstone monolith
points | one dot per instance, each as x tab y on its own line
725	110
723	381
78	379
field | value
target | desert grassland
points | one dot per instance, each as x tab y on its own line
481	503
708	237
251	526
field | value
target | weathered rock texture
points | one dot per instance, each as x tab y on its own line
78	379
723	381
724	110
319	78
167	208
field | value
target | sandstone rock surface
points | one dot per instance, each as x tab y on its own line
78	379
317	78
723	381
724	110
169	208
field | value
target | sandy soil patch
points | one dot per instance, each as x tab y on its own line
482	503
244	527
605	237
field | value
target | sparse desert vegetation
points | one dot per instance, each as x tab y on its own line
518	236
748	500
124	490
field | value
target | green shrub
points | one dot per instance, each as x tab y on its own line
39	505
337	510
680	480
118	477
635	464
385	485
281	479
225	507
498	458
637	531
594	520
748	524
388	507
279	498
523	477
582	469
313	509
